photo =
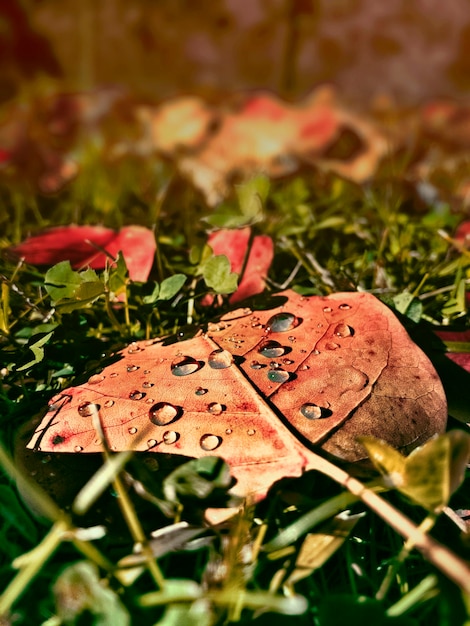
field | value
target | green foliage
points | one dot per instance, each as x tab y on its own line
251	196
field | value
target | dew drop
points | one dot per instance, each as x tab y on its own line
164	413
228	431
281	322
132	430
332	345
344	306
200	391
250	432
210	442
220	359
271	349
86	409
343	330
134	348
95	379
256	365
113	375
304	367
215	408
291	338
170	436
314	412
327	309
78	449
151	443
149	400
147	385
287	361
132	368
108	404
137	395
278	375
184	365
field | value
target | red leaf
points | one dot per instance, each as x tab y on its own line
234	244
261	389
79	245
461	358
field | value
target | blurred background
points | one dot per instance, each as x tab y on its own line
406	50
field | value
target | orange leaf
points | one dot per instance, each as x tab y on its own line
262	389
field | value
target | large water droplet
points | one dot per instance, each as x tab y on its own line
343	330
278	375
200	391
183	365
151	443
95	379
86	409
136	395
134	348
219	359
170	436
132	368
314	412
215	408
280	322
164	413
332	345
271	349
210	442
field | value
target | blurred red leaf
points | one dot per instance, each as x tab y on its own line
234	244
462	358
86	246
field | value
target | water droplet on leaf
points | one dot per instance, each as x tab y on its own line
184	365
220	359
170	436
133	348
278	375
250	432
314	412
136	395
210	442
343	330
132	430
164	413
200	391
132	368
95	379
151	443
271	349
78	449
280	322
147	385
256	365
86	409
108	404
215	408
332	345
344	306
